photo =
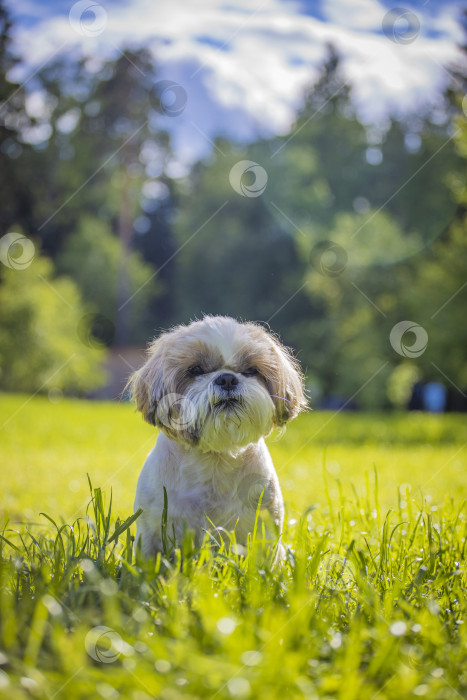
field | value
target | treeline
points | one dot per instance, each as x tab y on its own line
334	234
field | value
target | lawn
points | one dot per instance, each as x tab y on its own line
370	602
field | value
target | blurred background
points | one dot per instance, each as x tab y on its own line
300	164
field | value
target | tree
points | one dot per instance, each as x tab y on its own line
92	257
376	199
235	258
16	199
439	292
45	340
102	154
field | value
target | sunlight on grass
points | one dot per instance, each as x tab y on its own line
47	450
369	603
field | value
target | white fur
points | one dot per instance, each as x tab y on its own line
202	485
211	457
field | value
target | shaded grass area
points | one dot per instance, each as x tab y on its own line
369	603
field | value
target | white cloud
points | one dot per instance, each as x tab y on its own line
245	67
358	14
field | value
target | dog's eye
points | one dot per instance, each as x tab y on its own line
250	372
196	371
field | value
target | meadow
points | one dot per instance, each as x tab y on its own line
369	603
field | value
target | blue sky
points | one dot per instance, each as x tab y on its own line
246	63
29	12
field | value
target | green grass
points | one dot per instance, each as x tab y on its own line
369	604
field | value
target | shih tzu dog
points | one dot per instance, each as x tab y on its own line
215	389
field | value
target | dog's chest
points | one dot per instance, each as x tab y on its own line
222	491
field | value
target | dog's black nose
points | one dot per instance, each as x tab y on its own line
226	380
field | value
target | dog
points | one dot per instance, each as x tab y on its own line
214	388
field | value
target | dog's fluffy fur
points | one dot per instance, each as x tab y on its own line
215	389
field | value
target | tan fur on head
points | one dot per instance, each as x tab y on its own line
146	384
185	406
281	372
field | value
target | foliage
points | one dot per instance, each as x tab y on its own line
94	258
234	258
16	200
102	158
397	258
392	242
92	174
369	600
42	325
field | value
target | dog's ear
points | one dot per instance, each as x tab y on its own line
286	384
146	385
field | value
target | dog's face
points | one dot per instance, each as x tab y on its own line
218	384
